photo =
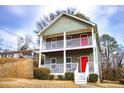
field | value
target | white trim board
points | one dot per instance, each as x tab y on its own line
62	49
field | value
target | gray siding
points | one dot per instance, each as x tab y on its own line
75	54
73	36
57	55
65	24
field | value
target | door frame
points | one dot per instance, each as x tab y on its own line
80	61
80	37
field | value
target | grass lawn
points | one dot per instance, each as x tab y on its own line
108	84
33	83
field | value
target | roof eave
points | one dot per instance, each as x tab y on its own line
50	24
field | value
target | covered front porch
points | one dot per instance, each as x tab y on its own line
55	61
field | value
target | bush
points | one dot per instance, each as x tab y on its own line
69	76
41	73
35	64
93	77
60	77
121	81
51	77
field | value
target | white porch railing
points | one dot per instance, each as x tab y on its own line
53	45
59	68
72	67
76	42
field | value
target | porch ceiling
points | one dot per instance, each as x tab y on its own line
88	29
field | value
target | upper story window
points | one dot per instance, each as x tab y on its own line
69	40
53	42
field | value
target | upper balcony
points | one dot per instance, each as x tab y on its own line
72	41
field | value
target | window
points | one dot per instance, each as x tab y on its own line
69	40
53	60
53	42
68	62
68	59
53	63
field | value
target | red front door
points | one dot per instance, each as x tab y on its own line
84	40
84	60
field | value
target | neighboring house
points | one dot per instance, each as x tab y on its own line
70	44
21	53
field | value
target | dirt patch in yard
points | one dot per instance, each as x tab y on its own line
33	83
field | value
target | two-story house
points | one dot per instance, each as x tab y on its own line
70	44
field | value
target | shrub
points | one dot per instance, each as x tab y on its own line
35	64
121	81
93	77
51	77
60	77
41	73
69	76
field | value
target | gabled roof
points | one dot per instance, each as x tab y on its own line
57	18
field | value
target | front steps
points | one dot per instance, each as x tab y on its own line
80	78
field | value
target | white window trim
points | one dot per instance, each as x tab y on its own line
71	59
53	63
54	42
69	63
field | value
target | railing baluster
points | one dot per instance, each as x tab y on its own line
75	42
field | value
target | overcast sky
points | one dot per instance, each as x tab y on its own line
22	20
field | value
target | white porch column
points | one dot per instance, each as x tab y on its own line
41	38
94	49
94	58
93	43
39	59
64	52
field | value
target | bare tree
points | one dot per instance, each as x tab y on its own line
24	42
45	20
109	46
119	61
